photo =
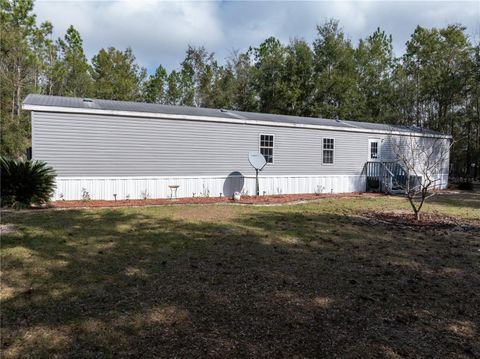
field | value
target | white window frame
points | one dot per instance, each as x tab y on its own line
379	150
334	150
273	147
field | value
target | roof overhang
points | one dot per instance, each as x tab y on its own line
168	116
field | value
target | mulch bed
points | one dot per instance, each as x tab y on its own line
278	199
427	220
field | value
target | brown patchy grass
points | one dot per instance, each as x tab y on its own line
319	279
270	199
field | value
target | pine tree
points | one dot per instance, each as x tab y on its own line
298	79
156	86
268	76
375	64
336	90
174	92
71	72
18	73
116	75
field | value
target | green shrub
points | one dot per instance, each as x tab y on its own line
24	183
465	186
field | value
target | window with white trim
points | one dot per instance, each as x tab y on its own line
266	147
328	151
374	150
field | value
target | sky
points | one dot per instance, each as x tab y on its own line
160	31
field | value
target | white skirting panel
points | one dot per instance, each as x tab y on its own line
440	181
72	188
444	181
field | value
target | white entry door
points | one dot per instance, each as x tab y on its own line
374	153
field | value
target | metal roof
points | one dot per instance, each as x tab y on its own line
34	101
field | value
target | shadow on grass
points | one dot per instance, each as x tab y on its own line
468	199
267	283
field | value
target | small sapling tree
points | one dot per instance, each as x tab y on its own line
425	161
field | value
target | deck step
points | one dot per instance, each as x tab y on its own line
382	175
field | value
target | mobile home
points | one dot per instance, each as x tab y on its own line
116	149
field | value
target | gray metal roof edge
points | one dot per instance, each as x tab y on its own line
215	115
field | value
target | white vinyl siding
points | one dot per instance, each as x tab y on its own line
86	145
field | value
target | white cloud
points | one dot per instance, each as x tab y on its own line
159	32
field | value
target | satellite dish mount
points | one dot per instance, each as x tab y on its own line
257	161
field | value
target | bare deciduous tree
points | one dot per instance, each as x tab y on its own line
425	161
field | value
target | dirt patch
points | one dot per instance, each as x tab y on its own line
206	213
7	228
278	199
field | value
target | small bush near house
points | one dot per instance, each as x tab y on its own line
24	183
465	186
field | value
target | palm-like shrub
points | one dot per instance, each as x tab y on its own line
24	183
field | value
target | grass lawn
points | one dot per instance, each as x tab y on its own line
312	280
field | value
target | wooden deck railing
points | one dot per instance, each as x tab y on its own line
386	176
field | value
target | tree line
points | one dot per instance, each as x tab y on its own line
434	84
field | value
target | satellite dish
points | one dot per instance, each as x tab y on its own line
257	160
